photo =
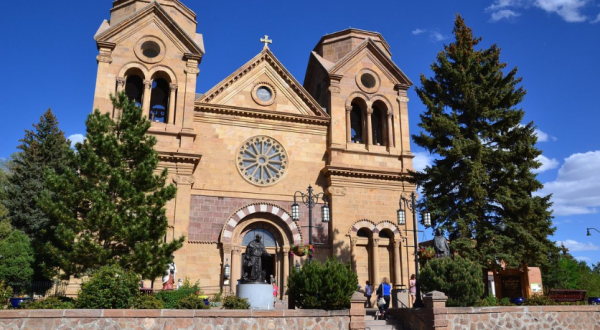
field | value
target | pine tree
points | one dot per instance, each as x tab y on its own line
111	209
480	187
43	149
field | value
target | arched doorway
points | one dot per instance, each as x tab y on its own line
269	263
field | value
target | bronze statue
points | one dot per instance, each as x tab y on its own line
253	261
442	250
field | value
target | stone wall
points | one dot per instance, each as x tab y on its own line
174	319
436	316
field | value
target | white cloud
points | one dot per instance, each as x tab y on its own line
586	259
573	245
418	31
504	14
596	20
75	138
436	36
547	164
543	137
422	160
568	10
576	189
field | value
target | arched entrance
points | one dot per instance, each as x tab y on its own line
279	233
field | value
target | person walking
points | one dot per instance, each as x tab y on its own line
275	292
368	294
412	286
384	291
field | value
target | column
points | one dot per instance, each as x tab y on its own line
397	278
348	123
369	127
172	104
236	263
375	254
227	248
353	241
120	88
286	269
183	181
146	98
390	132
104	85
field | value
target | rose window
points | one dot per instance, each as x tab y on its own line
262	160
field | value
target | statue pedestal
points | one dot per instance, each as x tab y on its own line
260	296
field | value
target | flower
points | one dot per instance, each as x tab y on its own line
302	249
426	252
203	297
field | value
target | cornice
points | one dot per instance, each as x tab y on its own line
179	156
257	113
330	170
266	56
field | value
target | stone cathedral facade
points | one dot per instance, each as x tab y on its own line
239	151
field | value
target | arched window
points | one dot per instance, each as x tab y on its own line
356	124
377	126
267	238
159	101
363	233
134	88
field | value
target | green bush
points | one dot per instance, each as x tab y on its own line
538	300
488	301
171	298
234	302
322	286
217	297
147	302
17	258
50	303
460	279
5	293
109	287
192	301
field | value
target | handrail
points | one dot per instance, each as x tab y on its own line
410	311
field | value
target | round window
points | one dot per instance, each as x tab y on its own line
264	93
150	49
368	80
262	160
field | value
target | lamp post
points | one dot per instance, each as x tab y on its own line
588	231
310	199
410	204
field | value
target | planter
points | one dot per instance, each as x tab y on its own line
16	301
206	302
301	251
594	300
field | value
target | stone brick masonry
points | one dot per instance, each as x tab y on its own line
174	319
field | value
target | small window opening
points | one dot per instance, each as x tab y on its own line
362	233
356	123
368	80
150	49
134	88
377	125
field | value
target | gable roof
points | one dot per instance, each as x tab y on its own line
266	56
159	12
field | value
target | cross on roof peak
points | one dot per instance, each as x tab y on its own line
266	41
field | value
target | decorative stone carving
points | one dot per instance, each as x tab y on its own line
121	82
376	242
104	58
183	179
348	108
353	241
173	87
189	70
403	99
148	83
369	111
336	191
334	89
397	243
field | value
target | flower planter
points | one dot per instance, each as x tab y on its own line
517	300
302	250
16	301
594	300
206	302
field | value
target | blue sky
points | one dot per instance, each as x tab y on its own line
49	60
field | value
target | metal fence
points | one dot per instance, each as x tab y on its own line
40	289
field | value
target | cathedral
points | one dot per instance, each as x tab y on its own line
244	153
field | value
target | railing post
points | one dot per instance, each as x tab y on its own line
435	307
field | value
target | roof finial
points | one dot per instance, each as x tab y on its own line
266	41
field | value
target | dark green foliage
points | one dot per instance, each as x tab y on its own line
171	298
234	302
147	302
111	209
17	258
568	273
460	279
50	303
322	286
481	186
110	287
192	301
5	293
538	300
218	296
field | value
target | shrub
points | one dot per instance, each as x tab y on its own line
17	257
5	293
322	286
538	300
170	298
234	302
460	279
50	303
218	296
109	287
488	301
147	302
192	301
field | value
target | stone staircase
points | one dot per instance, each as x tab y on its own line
374	324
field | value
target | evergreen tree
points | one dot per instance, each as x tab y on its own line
111	209
480	187
43	149
17	258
